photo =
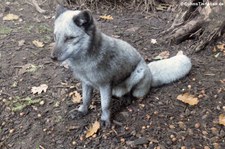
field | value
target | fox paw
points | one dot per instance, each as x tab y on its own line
105	124
74	114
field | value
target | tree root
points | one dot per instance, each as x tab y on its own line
206	23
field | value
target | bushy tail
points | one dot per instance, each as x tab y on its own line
169	70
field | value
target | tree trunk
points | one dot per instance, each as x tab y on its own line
203	20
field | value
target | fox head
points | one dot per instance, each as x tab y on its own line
73	31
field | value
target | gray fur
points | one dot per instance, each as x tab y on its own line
110	65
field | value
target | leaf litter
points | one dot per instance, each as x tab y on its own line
106	17
222	119
10	17
76	97
28	68
162	55
188	98
39	89
38	43
93	129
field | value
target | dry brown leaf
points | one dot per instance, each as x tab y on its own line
189	99
76	97
10	17
222	119
39	89
163	55
93	129
221	47
106	17
38	44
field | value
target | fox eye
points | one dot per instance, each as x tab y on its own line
69	38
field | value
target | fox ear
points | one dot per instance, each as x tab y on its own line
59	10
83	19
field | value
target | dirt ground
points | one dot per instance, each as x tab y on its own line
160	121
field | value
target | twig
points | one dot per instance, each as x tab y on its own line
37	7
4	93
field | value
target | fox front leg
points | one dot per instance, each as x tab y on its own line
87	91
106	93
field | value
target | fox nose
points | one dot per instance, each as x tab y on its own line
54	58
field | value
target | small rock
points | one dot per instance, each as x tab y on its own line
214	130
3	123
156	112
171	126
189	86
172	136
74	142
174	139
183	147
143	127
122	140
206	147
204	133
197	125
42	102
216	146
181	125
21	113
11	130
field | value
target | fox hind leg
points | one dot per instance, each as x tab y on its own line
143	87
140	79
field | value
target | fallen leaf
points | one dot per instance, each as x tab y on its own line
221	47
21	43
162	55
38	44
133	29
76	97
187	98
51	46
28	68
222	119
39	89
162	7
222	81
93	129
10	17
106	17
153	41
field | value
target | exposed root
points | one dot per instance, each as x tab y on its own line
146	5
36	5
206	23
